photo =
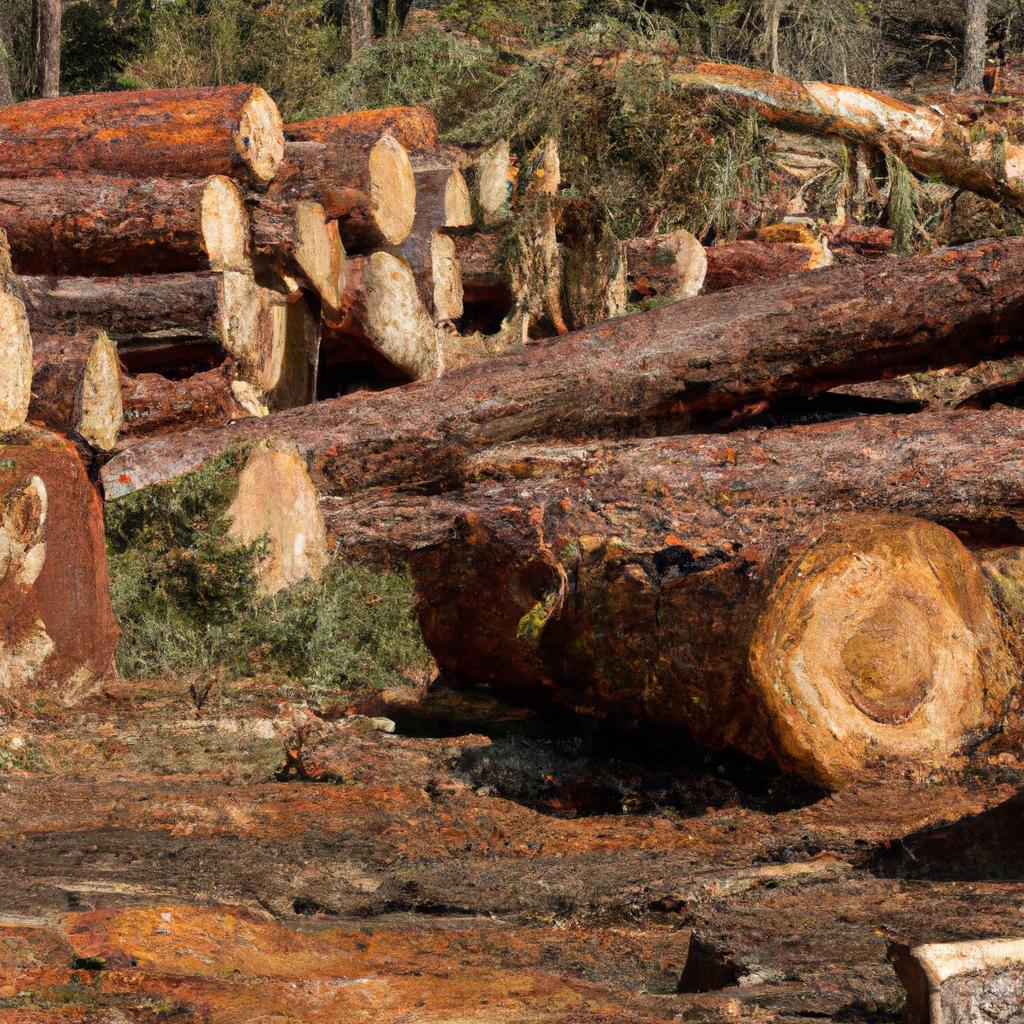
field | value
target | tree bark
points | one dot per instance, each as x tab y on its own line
697	581
15	346
361	20
411	127
975	46
667	267
752	262
366	183
57	629
168	320
100	225
654	372
46	19
76	387
6	90
233	130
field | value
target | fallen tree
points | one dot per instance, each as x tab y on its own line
180	133
656	372
101	225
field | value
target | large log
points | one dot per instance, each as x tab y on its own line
76	387
654	372
102	225
57	629
233	130
752	588
365	182
413	127
158	320
15	347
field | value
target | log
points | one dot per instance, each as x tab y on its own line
775	252
76	387
365	182
593	270
493	179
667	267
753	589
57	629
158	321
413	127
858	241
976	157
297	238
15	347
234	130
299	328
486	279
154	404
653	372
101	225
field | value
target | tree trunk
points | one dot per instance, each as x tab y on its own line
100	225
666	267
975	46
57	629
46	19
411	127
233	130
719	583
76	387
365	183
658	371
15	347
361	20
169	320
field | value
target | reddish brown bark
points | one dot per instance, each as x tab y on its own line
57	629
657	371
413	127
858	240
751	262
188	133
101	225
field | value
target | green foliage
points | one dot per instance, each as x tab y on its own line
99	38
188	602
901	209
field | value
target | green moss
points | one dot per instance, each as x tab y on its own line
532	624
188	602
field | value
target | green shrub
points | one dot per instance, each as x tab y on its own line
188	602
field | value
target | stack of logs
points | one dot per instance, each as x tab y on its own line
681	517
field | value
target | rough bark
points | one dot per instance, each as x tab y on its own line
233	130
295	237
15	347
857	241
361	22
365	182
975	46
76	387
751	262
413	127
103	225
165	320
57	630
46	19
927	139
669	267
697	581
656	371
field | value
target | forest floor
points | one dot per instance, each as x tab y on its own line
482	863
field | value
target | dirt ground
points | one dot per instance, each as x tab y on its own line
252	861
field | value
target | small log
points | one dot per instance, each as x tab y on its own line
297	238
654	372
154	404
772	255
159	320
960	982
57	629
852	241
100	225
365	182
493	180
667	267
383	311
234	130
277	502
15	347
76	387
413	127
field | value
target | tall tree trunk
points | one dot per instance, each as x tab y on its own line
46	21
361	15
774	18
975	42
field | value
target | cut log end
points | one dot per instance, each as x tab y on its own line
392	190
102	412
880	643
260	136
494	177
15	362
276	500
320	252
458	203
251	331
225	225
448	294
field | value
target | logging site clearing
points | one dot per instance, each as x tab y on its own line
511	513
